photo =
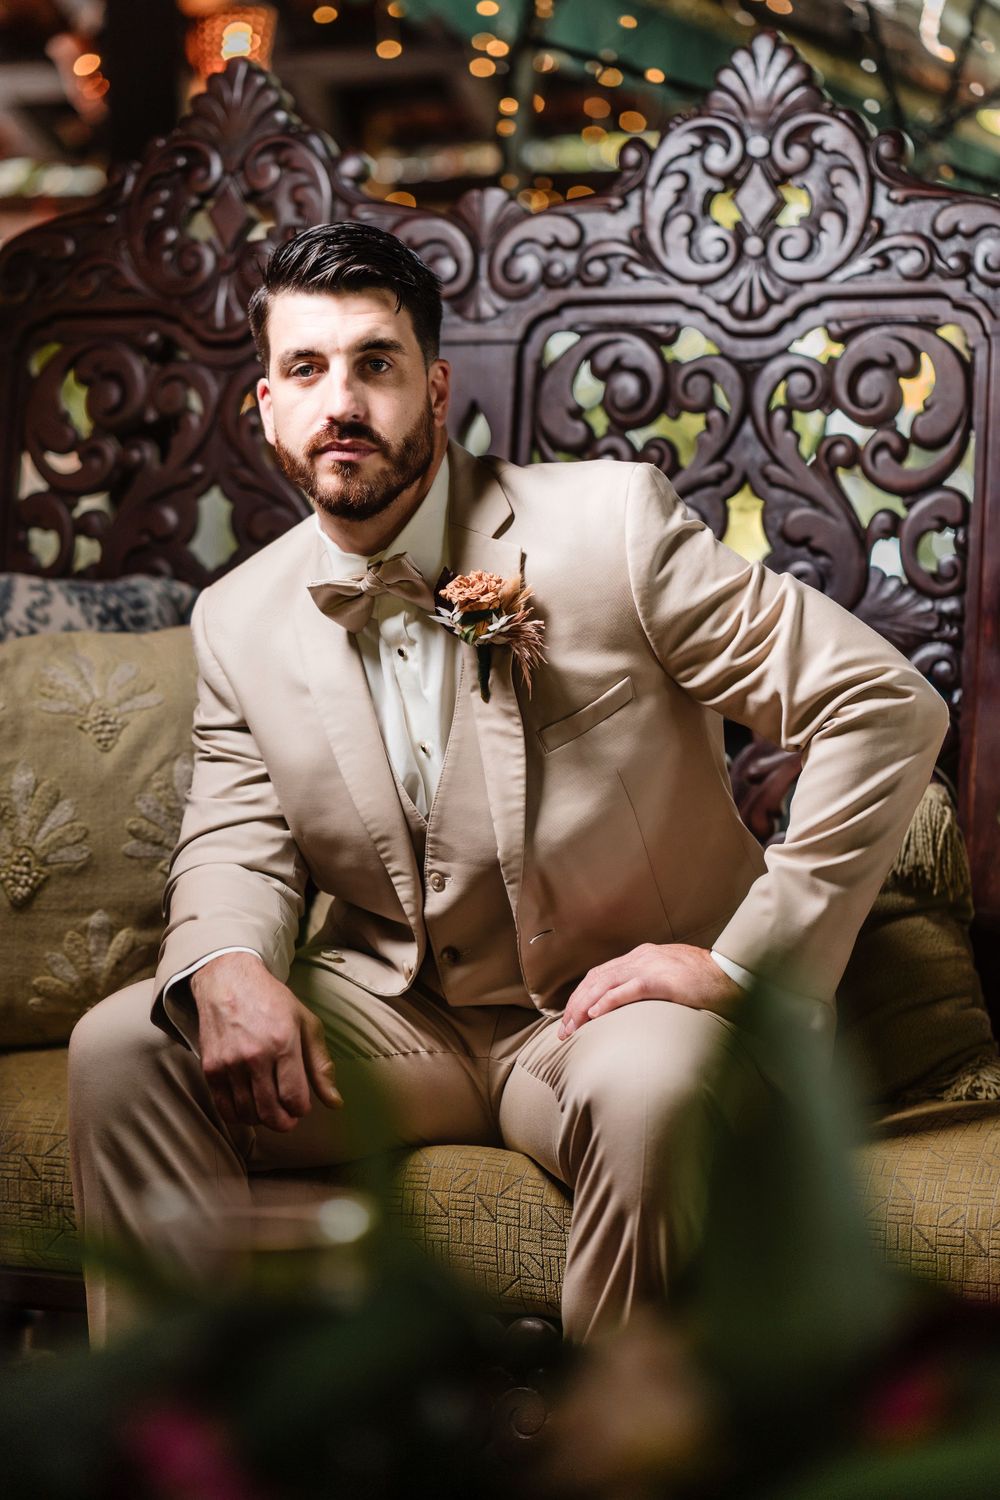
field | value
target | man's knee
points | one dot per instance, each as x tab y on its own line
647	1059
113	1045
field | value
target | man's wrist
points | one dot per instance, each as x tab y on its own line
234	963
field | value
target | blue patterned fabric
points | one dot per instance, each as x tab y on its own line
40	606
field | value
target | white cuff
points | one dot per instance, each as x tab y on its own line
193	968
821	1017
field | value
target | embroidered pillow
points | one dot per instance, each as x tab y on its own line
95	763
912	1019
38	606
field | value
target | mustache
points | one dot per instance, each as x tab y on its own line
343	433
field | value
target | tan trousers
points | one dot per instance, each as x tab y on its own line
600	1111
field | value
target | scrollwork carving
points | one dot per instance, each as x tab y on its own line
764	125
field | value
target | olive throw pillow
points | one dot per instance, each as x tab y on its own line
95	764
911	1017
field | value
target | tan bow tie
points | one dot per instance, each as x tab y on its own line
350	601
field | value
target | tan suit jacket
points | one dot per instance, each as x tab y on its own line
608	790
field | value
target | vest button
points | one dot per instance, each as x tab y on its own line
436	881
450	955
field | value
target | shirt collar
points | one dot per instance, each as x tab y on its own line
424	537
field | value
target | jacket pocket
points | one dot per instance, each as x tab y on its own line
564	730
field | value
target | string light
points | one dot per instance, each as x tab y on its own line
388	46
632	120
506	126
324	14
496	48
977	89
482	67
235	31
780	7
579	190
509	181
537	103
597	109
482	40
396	9
508	106
488	8
544	63
654	75
87	63
593	134
629	22
406	199
610	78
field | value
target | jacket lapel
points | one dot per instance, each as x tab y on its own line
343	702
478	509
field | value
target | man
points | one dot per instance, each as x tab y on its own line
546	907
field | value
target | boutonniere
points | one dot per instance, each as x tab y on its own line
486	610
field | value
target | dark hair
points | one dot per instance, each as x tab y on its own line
349	257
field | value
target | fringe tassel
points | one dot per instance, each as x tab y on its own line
932	856
977	1080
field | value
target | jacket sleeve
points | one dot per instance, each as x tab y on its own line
777	655
237	879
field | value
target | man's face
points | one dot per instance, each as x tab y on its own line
353	412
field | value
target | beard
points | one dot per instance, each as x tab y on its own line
343	492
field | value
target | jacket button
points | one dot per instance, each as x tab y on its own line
450	955
436	881
333	955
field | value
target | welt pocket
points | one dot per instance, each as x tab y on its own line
564	730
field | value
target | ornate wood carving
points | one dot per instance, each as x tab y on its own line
767	306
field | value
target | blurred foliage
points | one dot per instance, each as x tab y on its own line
791	1363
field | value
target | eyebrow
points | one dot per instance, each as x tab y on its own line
379	344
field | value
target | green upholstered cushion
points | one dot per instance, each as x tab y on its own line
931	1179
95	762
911	1015
37	1222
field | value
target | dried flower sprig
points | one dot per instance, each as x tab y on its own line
486	611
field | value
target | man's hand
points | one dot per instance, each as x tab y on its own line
653	971
260	1047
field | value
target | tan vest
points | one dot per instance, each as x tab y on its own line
472	943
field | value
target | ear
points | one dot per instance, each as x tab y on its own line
264	406
439	389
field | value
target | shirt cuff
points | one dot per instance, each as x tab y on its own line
193	968
820	1017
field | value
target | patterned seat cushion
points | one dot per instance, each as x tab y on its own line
931	1180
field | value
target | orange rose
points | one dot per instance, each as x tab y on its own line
477	590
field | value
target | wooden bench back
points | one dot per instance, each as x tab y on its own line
804	337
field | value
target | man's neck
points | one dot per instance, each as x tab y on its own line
376	533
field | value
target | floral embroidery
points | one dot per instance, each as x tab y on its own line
39	830
94	962
157	828
101	710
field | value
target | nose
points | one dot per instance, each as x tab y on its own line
342	396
